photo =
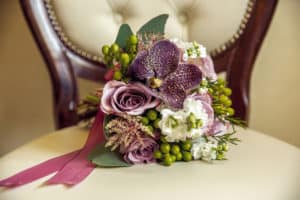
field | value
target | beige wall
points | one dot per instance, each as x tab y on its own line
25	102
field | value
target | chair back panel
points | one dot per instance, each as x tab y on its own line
91	23
70	34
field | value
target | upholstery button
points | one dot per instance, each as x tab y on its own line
183	18
118	18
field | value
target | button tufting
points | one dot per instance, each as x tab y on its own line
118	18
183	18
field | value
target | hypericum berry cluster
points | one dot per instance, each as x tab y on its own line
221	149
169	153
220	94
151	119
119	59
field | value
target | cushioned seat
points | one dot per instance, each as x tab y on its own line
260	167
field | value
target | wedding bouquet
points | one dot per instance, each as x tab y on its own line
163	101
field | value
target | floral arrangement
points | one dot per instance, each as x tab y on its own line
162	101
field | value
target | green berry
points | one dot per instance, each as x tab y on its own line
156	123
117	75
105	50
151	114
165	148
124	59
173	158
220	148
178	156
168	161
133	39
175	149
227	91
225	147
145	120
114	48
230	111
163	139
220	156
227	103
223	98
107	58
150	128
187	156
221	81
157	154
187	145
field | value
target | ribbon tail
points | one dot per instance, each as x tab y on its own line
38	171
79	168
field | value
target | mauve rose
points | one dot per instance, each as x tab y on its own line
132	98
138	153
206	102
206	66
219	128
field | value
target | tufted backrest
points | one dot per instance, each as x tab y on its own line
89	24
70	34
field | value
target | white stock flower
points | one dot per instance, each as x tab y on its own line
174	124
205	150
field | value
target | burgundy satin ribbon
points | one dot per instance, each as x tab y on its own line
71	168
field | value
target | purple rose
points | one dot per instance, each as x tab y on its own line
219	128
206	102
140	152
132	98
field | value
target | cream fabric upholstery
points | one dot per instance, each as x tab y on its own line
91	23
261	168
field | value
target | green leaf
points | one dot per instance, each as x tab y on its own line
103	157
123	34
155	25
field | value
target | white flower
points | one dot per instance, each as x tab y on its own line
205	150
190	49
174	124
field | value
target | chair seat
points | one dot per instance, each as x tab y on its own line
261	167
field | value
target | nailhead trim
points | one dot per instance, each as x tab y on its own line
97	58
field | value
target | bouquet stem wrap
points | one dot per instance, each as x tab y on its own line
71	168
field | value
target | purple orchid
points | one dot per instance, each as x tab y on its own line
162	62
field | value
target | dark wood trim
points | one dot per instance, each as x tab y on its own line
65	65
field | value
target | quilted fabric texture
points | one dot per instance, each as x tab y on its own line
91	23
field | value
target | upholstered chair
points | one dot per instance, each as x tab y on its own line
70	34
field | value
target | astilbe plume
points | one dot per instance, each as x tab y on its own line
146	40
124	130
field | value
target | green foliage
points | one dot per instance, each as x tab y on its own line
102	157
155	25
124	33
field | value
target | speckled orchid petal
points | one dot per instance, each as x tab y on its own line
140	67
172	94
164	58
187	76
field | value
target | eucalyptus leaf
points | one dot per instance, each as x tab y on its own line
124	33
155	25
103	157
